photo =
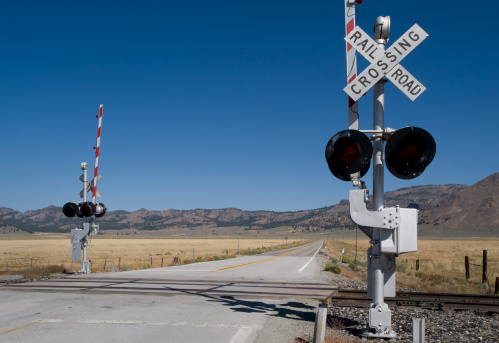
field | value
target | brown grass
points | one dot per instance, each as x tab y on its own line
35	272
335	333
441	264
127	254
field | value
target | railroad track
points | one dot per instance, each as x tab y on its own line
440	301
175	287
333	295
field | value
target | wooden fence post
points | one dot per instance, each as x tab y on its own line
151	262
467	266
484	270
417	264
497	286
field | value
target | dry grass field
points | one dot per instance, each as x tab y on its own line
18	253
441	264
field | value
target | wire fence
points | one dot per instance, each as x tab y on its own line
124	263
103	264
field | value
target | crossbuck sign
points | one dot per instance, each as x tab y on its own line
385	63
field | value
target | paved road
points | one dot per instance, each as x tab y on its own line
236	300
290	265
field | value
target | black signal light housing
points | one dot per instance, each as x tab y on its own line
71	209
409	151
349	152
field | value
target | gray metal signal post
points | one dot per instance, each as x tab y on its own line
79	236
379	313
408	151
392	230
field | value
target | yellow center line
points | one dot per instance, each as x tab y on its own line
246	264
20	327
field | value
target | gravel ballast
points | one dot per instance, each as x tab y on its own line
348	322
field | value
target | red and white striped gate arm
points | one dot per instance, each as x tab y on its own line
353	112
97	147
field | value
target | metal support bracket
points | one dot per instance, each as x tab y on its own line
399	232
387	218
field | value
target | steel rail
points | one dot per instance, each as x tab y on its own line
439	301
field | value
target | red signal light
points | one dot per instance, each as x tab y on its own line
87	209
348	150
410	151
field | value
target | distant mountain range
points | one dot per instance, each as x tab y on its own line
445	210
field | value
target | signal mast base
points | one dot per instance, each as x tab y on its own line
86	267
79	240
389	334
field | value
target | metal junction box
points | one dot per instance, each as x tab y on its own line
398	226
404	238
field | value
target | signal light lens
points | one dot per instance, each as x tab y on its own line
100	210
87	209
71	209
349	152
409	151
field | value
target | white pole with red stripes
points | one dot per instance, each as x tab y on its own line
350	13
353	107
97	150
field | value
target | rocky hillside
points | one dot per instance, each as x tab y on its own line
444	210
473	209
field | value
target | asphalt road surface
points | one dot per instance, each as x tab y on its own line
263	298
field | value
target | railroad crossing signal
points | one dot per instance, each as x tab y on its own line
408	151
385	63
87	209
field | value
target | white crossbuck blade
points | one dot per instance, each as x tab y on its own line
385	63
90	187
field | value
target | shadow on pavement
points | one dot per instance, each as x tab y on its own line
290	310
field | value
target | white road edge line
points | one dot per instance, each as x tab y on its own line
182	270
306	264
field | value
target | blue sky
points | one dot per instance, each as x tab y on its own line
224	103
